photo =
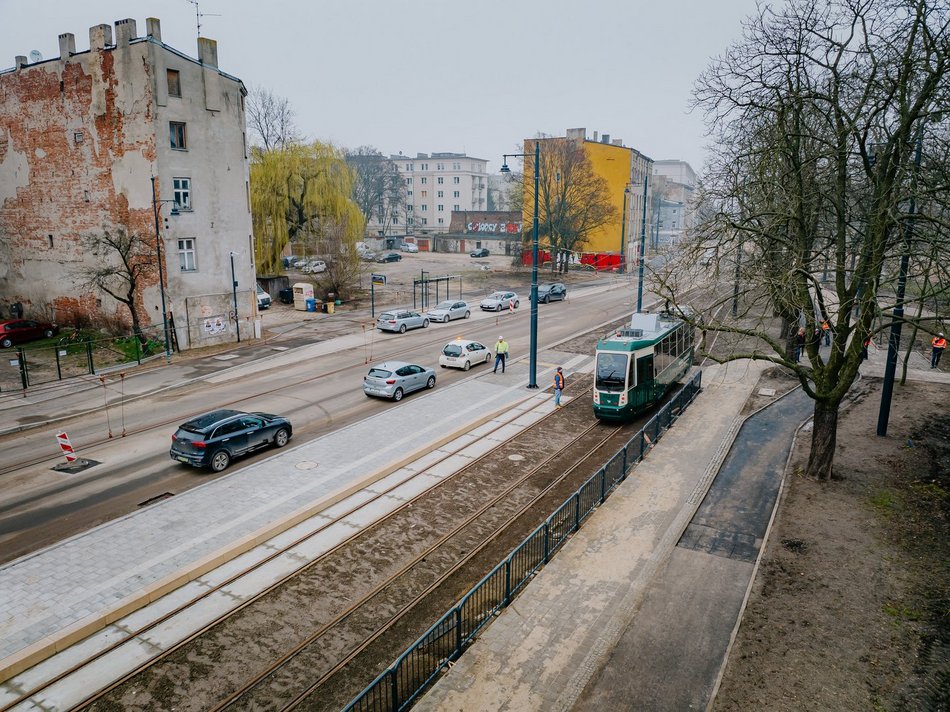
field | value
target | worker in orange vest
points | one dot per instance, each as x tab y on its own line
937	345
826	330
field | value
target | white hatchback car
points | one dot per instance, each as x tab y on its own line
464	354
409	247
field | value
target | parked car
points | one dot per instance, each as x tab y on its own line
289	260
315	267
448	310
286	295
551	292
389	257
214	439
480	252
497	301
409	247
263	298
400	320
464	354
394	379
19	331
368	256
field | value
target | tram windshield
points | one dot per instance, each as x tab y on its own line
611	374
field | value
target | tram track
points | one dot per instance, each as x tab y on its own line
188	607
334	624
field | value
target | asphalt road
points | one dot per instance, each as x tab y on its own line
39	506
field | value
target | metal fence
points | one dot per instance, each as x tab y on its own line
74	355
399	685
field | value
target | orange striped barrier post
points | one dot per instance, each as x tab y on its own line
63	440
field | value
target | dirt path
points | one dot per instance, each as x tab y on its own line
851	606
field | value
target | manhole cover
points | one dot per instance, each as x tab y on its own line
306	465
516	458
77	465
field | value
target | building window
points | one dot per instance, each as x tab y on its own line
456	166
456	207
186	254
425	207
409	221
424	221
441	208
181	191
408	181
456	180
50	241
455	194
174	82
439	166
424	193
409	192
440	194
423	166
424	180
408	208
176	132
441	221
440	180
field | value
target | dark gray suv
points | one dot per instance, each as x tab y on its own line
215	438
551	292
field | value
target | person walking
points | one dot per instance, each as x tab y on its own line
799	344
501	354
559	383
864	348
826	328
937	346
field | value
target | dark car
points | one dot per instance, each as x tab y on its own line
18	331
389	257
551	292
480	252
214	439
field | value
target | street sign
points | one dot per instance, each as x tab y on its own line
379	278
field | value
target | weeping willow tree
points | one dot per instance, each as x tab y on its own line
302	193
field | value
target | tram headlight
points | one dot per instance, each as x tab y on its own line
623	399
596	397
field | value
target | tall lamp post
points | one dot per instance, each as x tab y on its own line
894	341
234	286
533	348
643	242
623	232
156	203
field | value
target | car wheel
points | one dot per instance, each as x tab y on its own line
498	308
220	460
397	395
402	329
281	438
431	382
544	300
488	357
7	342
517	304
467	365
445	319
48	333
468	314
425	323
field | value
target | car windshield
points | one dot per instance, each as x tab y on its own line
452	350
379	373
444	305
611	371
496	295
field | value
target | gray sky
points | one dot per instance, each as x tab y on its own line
440	75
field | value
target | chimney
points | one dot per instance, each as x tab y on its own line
153	28
67	45
19	62
605	138
124	32
100	37
595	137
208	52
576	133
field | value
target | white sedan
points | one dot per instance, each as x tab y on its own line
499	301
448	310
463	354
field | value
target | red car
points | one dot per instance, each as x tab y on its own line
18	331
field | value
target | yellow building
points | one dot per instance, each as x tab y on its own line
622	168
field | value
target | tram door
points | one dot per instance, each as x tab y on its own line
645	370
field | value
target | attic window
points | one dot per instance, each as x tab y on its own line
77	136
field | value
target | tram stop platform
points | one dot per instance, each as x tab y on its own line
638	610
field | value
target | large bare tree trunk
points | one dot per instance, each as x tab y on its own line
823	439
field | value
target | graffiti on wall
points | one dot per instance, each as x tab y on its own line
500	228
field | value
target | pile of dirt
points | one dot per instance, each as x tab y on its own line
850	609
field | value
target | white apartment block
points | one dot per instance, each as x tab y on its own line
439	184
676	210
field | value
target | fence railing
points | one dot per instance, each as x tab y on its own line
74	355
402	682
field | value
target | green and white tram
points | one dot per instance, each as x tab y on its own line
636	366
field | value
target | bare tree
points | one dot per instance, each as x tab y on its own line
378	188
121	263
829	153
270	119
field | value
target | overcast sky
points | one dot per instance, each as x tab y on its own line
440	75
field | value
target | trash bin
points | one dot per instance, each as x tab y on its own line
311	304
330	307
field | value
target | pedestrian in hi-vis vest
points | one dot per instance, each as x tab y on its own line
937	346
501	354
559	384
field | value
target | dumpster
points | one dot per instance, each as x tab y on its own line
311	304
302	292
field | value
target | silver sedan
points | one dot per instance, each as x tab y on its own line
394	379
448	310
400	320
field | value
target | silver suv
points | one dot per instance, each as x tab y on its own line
400	320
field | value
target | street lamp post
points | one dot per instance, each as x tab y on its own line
643	242
161	271
623	232
894	341
234	286
533	348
